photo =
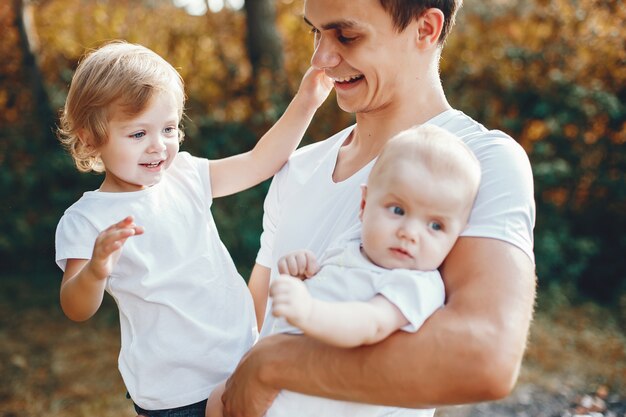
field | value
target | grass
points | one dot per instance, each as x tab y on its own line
57	368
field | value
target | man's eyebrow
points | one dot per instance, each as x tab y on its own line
342	24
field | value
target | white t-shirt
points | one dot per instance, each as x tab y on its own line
306	209
346	275
186	315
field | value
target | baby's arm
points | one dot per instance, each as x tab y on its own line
84	280
239	172
343	324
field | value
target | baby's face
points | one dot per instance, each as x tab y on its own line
411	219
140	148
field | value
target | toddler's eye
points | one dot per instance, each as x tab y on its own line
138	135
397	210
436	226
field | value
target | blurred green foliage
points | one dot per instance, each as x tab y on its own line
551	74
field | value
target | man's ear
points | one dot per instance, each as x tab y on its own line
429	27
363	197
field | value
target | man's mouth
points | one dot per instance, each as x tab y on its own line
348	80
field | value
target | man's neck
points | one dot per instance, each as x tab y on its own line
373	129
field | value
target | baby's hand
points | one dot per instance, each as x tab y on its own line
301	264
108	246
291	300
315	86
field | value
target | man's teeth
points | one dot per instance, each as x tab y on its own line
347	79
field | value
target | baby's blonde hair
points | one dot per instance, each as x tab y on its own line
439	151
118	73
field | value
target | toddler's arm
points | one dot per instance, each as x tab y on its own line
239	172
343	324
84	280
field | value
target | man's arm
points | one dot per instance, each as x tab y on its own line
259	286
470	350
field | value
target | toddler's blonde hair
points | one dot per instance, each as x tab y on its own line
117	73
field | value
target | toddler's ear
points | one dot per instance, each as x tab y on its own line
363	197
85	138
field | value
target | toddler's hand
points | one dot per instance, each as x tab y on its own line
315	86
291	300
108	246
301	264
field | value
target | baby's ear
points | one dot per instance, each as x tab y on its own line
363	197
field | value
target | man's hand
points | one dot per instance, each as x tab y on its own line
214	406
291	300
246	394
301	264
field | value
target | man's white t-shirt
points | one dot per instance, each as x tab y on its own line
306	209
186	315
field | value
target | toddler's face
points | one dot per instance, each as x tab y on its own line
140	148
411	219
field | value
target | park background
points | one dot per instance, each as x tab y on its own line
552	74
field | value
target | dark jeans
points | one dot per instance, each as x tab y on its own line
193	410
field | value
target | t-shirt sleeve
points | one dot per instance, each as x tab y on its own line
271	216
201	168
74	239
505	207
417	294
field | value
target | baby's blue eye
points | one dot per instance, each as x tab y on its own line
138	135
435	226
397	210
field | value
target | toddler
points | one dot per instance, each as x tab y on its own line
147	236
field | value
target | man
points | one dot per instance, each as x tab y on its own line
383	56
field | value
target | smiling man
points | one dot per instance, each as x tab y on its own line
383	56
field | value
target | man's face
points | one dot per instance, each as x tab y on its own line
358	46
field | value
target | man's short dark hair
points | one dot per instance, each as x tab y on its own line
404	11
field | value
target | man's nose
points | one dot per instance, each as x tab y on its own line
325	54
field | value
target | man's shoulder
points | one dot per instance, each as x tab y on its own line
484	142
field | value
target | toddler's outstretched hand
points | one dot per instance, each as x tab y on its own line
291	300
315	86
301	264
108	246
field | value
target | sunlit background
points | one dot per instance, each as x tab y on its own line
552	74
